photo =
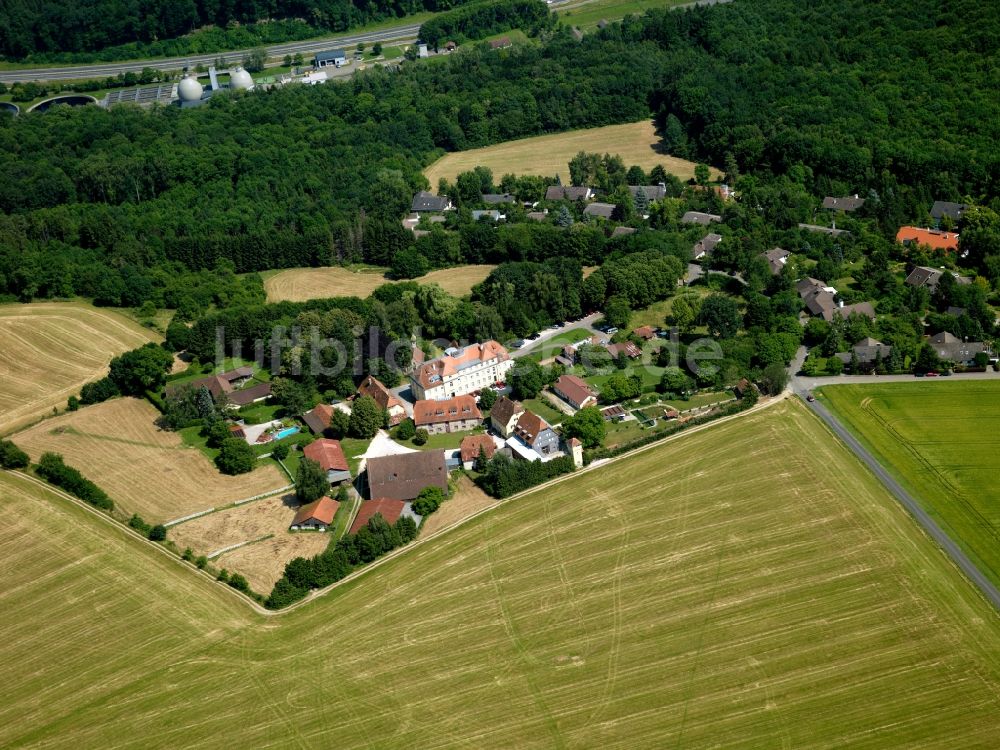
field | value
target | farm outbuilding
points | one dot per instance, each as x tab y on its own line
316	515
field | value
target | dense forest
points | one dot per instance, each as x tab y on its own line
835	98
32	29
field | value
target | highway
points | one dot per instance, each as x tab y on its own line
103	70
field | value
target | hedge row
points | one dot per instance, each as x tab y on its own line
52	469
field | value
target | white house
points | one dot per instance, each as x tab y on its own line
461	371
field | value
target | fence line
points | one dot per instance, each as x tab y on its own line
245	500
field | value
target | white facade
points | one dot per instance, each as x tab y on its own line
461	373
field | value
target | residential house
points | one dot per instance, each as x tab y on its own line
318	419
832	231
700	217
534	439
705	246
776	259
537	215
646	333
334	57
504	415
491	214
653	192
599	210
331	459
390	510
848	203
954	211
622	231
568	193
627	348
316	515
846	311
461	371
501	43
456	414
225	385
497	199
923	276
574	391
742	388
424	202
472	446
935	239
402	476
867	351
385	398
952	349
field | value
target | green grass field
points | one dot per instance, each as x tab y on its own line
749	585
942	441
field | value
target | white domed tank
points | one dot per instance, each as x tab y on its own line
240	79
189	90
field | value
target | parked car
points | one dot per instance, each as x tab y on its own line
932	374
810	398
612	330
518	344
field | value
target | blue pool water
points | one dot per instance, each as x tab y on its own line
286	432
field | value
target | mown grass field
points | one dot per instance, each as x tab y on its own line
942	441
549	155
587	13
748	585
49	349
300	284
144	469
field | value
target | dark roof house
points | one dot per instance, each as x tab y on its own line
832	231
776	259
568	193
403	476
848	203
424	202
940	209
653	192
867	351
700	217
924	276
705	245
952	349
495	199
601	210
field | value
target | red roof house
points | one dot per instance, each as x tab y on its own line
316	515
330	456
390	510
471	447
933	238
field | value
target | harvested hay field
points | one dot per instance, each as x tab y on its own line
262	562
301	284
746	585
549	155
48	350
145	470
467	500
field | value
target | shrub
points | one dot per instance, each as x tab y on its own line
72	403
12	457
188	554
201	562
280	451
136	522
235	457
406	429
420	437
52	469
223	576
239	583
158	533
428	501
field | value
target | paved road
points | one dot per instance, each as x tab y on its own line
802	385
584	324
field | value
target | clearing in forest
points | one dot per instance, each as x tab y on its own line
942	442
549	155
48	350
747	585
144	469
301	284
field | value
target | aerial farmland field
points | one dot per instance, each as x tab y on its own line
749	585
942	441
549	155
49	349
301	284
145	469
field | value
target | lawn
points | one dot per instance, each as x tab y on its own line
585	15
549	155
445	440
544	409
655	315
48	350
144	469
301	284
753	586
942	442
649	374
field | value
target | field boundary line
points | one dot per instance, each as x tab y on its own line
228	506
231	547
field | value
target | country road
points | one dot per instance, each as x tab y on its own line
801	386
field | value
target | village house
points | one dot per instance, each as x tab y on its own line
534	439
705	246
646	333
390	510
867	352
653	192
574	391
952	349
318	419
330	457
472	446
776	259
832	231
622	231
315	515
935	239
457	414
385	398
334	57
461	371
599	210
504	416
626	348
425	202
847	204
497	199
225	386
568	193
700	217
953	211
404	475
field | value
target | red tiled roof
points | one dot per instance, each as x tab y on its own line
322	511
383	396
573	389
504	409
933	238
318	419
327	453
447	410
431	373
472	444
390	510
645	332
529	427
627	348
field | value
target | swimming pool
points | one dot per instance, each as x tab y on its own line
286	432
